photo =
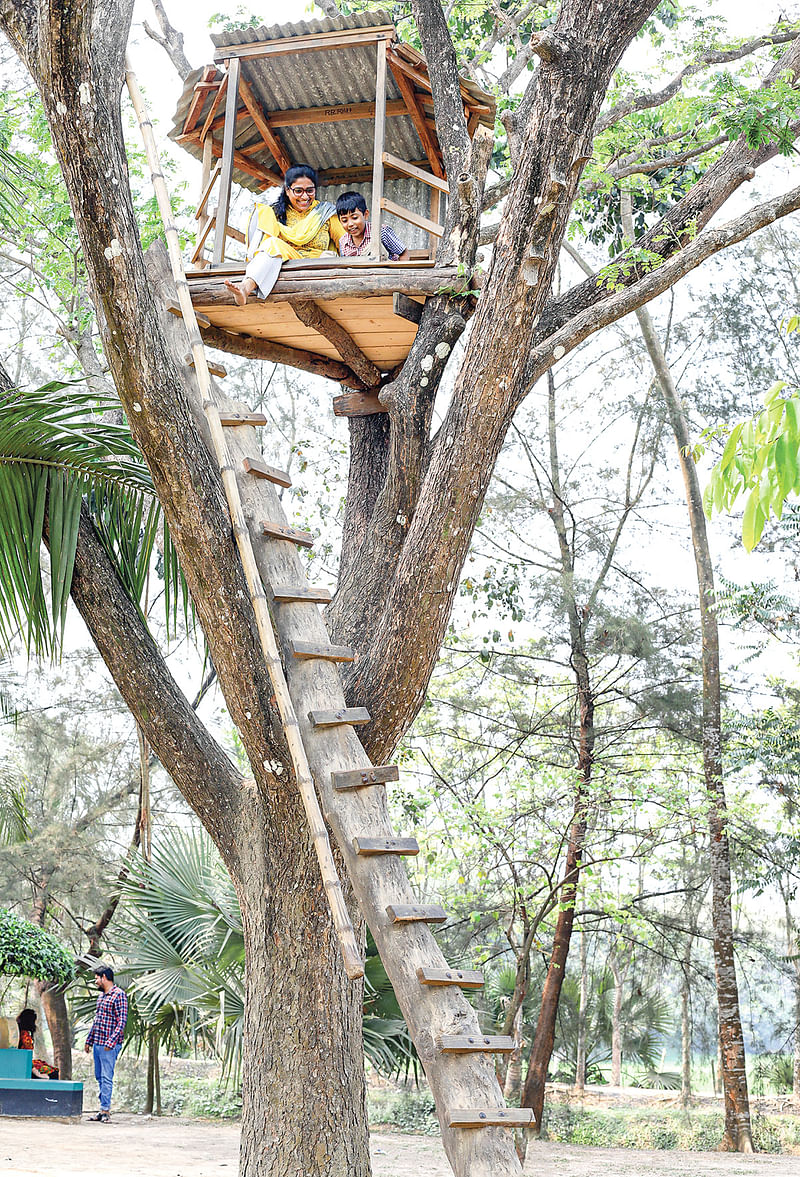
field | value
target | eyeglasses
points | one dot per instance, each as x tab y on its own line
304	191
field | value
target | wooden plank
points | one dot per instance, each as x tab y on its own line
254	347
209	120
466	1043
200	239
315	650
490	1117
303	539
349	351
357	778
242	418
379	140
427	138
351	112
351	715
174	309
259	469
466	978
416	173
204	195
413	218
405	913
312	42
231	99
199	97
271	140
357	404
215	369
268	178
386	846
406	308
361	174
301	592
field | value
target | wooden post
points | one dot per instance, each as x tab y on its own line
436	205
229	135
205	176
377	150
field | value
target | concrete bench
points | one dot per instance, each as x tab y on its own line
22	1096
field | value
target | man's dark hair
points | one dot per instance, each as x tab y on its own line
104	970
348	202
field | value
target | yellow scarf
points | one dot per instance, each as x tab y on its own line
302	231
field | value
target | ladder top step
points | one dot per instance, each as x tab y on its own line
352	715
405	913
466	978
315	650
489	1117
215	369
463	1043
259	469
226	418
357	778
303	539
301	592
385	846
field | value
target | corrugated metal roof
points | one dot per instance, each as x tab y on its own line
338	77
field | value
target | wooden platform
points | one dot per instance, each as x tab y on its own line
360	299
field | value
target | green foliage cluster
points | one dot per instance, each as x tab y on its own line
651	1129
761	456
28	951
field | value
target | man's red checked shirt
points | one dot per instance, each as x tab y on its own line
110	1017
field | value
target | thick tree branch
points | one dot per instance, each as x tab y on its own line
712	57
171	41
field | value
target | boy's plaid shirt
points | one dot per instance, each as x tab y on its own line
110	1017
389	240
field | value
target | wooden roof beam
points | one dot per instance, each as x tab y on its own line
208	125
271	140
428	139
271	179
313	316
340	39
199	97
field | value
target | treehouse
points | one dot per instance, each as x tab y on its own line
346	97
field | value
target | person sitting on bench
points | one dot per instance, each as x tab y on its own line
296	226
352	211
26	1023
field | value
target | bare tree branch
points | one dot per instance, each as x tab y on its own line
171	41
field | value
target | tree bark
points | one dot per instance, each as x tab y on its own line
55	1009
618	974
580	1054
737	1135
686	1025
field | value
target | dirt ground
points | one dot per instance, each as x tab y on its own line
133	1146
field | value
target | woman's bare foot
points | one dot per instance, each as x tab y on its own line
241	290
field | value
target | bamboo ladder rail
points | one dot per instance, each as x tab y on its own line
333	889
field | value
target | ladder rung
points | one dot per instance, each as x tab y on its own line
490	1117
242	418
352	715
215	369
464	1043
301	592
356	778
405	913
303	539
466	978
202	320
259	469
313	650
385	846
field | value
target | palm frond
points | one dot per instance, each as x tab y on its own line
54	453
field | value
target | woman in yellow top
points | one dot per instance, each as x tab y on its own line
297	225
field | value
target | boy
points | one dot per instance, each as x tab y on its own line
352	211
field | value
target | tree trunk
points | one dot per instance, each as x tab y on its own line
55	1010
686	1027
514	1071
298	1039
580	1056
616	1022
738	1135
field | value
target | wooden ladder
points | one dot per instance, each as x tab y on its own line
330	763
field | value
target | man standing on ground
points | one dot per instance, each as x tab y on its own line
105	1035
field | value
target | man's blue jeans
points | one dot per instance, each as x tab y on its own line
104	1061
